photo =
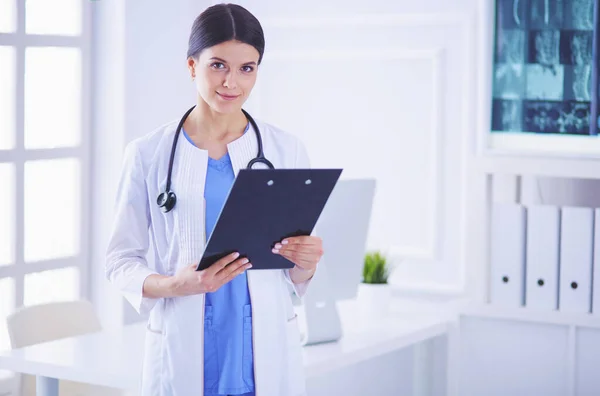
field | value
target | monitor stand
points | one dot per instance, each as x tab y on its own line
318	315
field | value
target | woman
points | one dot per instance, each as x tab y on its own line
223	330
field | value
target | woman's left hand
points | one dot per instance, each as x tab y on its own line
304	251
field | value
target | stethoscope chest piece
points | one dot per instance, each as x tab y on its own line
166	201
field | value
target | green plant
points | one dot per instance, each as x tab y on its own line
375	269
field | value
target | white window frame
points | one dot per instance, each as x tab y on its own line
17	156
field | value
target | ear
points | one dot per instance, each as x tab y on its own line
191	64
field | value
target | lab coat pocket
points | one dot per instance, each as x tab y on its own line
247	355
152	366
211	356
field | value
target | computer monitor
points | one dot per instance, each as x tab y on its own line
344	227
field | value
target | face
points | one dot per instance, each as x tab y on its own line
225	75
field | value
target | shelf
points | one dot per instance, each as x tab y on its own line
584	168
531	315
549	145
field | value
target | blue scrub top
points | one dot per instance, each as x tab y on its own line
228	355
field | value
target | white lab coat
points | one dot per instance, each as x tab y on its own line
174	346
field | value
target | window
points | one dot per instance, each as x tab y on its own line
44	153
8	16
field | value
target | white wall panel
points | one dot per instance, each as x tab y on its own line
501	357
587	352
382	95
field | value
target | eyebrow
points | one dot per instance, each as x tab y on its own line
224	61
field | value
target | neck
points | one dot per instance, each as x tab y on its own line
209	125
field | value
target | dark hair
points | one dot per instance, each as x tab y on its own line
223	22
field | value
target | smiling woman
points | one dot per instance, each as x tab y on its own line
234	330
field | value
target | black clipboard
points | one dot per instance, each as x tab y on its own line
265	206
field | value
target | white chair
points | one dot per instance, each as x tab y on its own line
9	383
53	321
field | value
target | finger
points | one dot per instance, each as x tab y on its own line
231	267
241	263
300	257
301	240
316	250
235	273
221	263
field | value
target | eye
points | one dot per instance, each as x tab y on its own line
248	69
217	65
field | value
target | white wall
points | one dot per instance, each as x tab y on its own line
108	132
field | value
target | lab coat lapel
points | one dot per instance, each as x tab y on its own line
189	170
242	150
183	365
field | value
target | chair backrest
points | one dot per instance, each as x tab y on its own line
52	321
9	383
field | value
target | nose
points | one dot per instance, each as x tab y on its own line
230	80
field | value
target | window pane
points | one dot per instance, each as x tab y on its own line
52	97
8	16
52	208
51	286
7	96
7	306
7	212
62	17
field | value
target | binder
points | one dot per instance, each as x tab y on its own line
576	253
596	265
507	234
542	257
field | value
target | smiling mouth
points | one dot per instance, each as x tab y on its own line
228	97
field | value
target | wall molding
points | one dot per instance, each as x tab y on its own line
460	52
376	20
432	249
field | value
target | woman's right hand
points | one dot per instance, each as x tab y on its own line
188	280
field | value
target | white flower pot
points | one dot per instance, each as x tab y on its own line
374	301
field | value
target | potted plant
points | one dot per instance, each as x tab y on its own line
374	292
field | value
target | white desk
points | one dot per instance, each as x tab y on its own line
114	358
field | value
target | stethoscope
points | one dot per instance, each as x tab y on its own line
167	199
